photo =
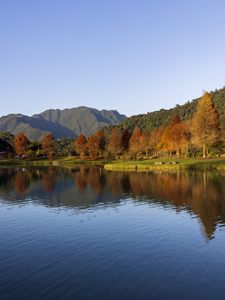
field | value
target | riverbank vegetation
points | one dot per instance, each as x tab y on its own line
200	136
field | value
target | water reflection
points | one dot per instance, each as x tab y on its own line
200	193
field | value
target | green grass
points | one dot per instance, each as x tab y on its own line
142	165
182	164
61	161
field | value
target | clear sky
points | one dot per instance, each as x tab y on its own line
133	56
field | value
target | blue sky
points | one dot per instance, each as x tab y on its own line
133	56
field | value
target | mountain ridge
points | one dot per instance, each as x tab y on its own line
68	122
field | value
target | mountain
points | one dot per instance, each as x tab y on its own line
155	119
74	121
61	123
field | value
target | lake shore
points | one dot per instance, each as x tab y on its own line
164	164
171	164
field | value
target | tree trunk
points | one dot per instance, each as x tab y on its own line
204	151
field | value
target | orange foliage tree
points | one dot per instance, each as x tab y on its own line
176	137
96	143
134	143
100	136
92	146
206	124
115	145
81	145
48	145
21	144
155	140
145	142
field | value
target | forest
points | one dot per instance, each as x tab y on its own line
194	132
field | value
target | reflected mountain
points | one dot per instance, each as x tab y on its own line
202	194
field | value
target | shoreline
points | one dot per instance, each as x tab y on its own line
168	165
164	164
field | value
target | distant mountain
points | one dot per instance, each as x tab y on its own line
61	123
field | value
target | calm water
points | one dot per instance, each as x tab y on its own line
89	234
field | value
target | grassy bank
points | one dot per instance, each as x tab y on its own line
168	164
62	161
145	165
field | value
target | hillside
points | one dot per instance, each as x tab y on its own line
61	123
152	120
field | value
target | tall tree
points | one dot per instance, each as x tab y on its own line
81	145
145	142
48	145
155	139
21	144
171	135
115	142
176	136
205	125
93	146
134	144
100	136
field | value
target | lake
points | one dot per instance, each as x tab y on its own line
84	233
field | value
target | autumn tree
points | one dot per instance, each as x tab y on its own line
115	145
81	145
185	137
100	136
176	136
170	135
145	142
155	140
48	145
21	144
96	144
205	124
134	143
93	146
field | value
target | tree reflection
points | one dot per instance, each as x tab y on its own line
21	182
48	181
200	193
81	178
96	179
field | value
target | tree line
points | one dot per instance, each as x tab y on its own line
200	133
181	138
